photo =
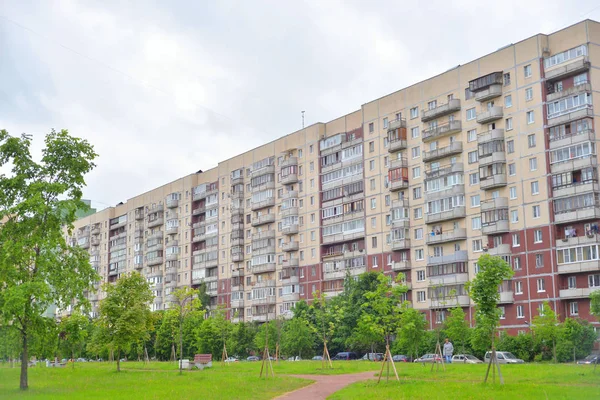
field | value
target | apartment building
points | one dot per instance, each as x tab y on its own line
497	155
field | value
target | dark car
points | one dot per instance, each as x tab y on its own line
400	358
345	355
253	358
591	359
373	356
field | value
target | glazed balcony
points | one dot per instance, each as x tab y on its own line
290	246
574	164
572	91
455	213
576	189
492	91
440	110
263	219
575	138
493	181
565	70
585	111
442	130
484	82
446	237
452	149
491	114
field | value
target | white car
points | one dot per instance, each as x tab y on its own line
504	357
466	359
231	359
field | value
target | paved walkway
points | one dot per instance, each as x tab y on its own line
324	385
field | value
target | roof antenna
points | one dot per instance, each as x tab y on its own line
302	119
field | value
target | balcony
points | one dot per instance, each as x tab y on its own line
492	91
343	237
492	114
342	272
494	134
496	227
138	234
455	213
262	268
172	257
494	204
237	180
506	297
401	223
452	279
289	212
397	145
455	190
442	130
289	179
576	188
568	140
290	229
172	203
396	124
576	293
453	148
582	240
288	162
237	257
237	303
263	317
117	225
400	244
398	185
445	170
95	230
403	265
290	246
493	181
139	214
577	267
560	71
292	194
398	163
199	210
574	164
206	193
450	302
291	263
572	91
155	222
155	235
495	157
445	237
263	219
268	169
85	244
154	261
270	202
583	214
459	256
500	250
484	82
584	111
265	283
173	230
441	110
270	234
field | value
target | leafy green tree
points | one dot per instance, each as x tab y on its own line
73	333
575	339
328	315
260	339
546	327
457	327
125	313
297	337
484	292
186	301
37	200
9	343
166	334
595	303
412	331
44	344
241	340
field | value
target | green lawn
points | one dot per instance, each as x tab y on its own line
527	381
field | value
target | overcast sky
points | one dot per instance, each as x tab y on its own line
163	89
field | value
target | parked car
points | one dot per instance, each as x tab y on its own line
253	358
317	358
591	359
504	357
80	359
400	358
373	356
466	359
231	359
345	355
297	358
429	358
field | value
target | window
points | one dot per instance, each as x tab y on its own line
520	312
502	312
374	242
472	157
385	123
527	70
508	101
371	165
475	201
530	118
506	79
574	308
310	149
312	166
518	287
593	281
416	172
371	127
418	213
414	112
536	211
476	223
529	94
533	164
417	193
421	296
513	192
510	146
373	222
372	184
474	178
371	147
541	285
418	233
421	276
419	254
471	135
514	216
572	282
535	188
516	240
414	132
516	263
509	125
416	152
512	169
471	114
373	203
539	261
388	200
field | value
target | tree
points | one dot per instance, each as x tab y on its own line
595	303
125	312
297	337
545	326
457	327
186	301
38	199
327	316
575	340
412	330
166	335
73	333
241	340
484	292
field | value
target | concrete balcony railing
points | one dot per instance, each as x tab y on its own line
155	222
574	164
154	261
440	110
492	91
396	123
291	263
576	293
463	301
262	268
453	279
290	229
494	204
560	71
237	180
172	257
455	190
342	272
492	114
237	303
582	240
265	283
237	257
576	188
290	246
289	212
500	250
289	179
270	234
577	267
202	195
506	297
290	297
85	244
173	230
444	170
258	251
493	181
397	145
584	111
292	194
139	214
343	237
398	163
401	265
493	228
494	134
400	244
172	203
492	158
268	169
263	219
401	223
458	256
558	142
453	148
270	202
583	214
445	237
398	185
442	130
288	162
572	91
95	230
199	210
455	213
263	317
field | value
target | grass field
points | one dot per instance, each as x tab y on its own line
240	381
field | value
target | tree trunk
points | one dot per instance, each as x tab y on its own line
73	358
118	360
554	350
24	385
181	346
